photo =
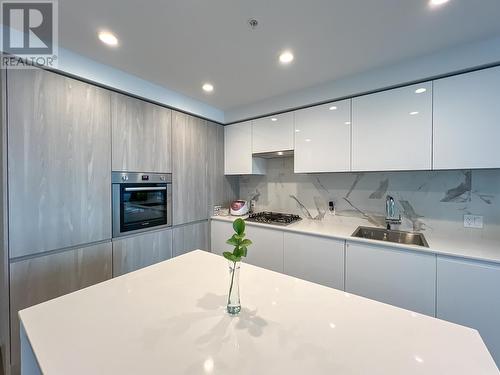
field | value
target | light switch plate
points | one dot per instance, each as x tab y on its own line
473	221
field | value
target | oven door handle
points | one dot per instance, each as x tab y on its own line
146	188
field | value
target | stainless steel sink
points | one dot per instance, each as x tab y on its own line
387	235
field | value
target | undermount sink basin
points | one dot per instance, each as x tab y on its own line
387	235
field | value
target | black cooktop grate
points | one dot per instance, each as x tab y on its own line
268	217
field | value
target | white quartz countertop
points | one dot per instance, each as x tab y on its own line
459	245
170	319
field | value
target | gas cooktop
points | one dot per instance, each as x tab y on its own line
273	218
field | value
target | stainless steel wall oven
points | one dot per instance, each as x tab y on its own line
141	201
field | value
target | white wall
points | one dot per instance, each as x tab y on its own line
443	62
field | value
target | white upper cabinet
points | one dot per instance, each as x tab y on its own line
467	120
323	138
392	130
274	133
238	151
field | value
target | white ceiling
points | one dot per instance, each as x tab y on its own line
181	44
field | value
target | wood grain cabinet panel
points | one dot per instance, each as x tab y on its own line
190	237
221	189
189	179
141	135
59	162
133	253
40	279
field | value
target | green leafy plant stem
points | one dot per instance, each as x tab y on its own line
232	282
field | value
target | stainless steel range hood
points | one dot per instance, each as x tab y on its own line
274	154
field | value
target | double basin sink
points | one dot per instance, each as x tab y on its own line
388	235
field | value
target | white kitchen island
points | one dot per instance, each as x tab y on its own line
170	319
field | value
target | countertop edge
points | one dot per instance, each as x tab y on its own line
464	254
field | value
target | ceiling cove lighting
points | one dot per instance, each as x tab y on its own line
436	3
108	38
207	87
286	57
421	90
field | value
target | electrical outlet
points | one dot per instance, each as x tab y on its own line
473	221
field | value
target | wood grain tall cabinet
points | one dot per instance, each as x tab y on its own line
189	180
59	139
59	184
141	135
4	254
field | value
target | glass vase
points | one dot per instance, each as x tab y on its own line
233	299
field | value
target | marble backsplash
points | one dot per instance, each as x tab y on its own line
429	201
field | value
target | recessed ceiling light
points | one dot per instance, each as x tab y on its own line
274	119
286	57
332	108
108	38
308	139
208	87
414	113
436	3
421	90
280	153
297	130
348	123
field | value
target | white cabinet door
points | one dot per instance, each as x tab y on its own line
316	259
323	138
266	250
401	278
392	130
220	232
238	151
466	120
274	133
468	293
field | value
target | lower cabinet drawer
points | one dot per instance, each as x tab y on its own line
142	250
40	279
401	278
190	237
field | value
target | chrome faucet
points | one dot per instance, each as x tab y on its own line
390	212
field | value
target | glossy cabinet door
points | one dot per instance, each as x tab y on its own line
392	130
189	179
267	248
466	120
323	138
267	244
40	279
238	158
221	189
190	237
220	231
141	134
398	277
273	133
468	293
59	155
142	250
316	259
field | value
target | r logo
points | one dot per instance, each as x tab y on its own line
28	27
